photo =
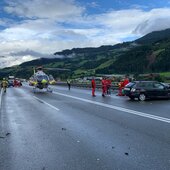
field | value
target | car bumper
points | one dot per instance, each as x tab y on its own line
131	94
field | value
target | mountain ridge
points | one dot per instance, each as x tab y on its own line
146	54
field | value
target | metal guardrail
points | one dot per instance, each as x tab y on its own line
82	85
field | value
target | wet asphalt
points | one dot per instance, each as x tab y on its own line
64	131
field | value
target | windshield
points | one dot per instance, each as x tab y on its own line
130	84
41	77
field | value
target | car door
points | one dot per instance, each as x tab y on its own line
150	92
160	90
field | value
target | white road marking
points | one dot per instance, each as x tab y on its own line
1	98
55	108
162	119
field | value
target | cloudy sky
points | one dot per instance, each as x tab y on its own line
31	29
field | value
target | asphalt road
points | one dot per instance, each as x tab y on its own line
70	130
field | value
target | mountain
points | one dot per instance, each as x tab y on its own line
153	37
150	53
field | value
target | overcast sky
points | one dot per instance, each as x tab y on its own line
31	29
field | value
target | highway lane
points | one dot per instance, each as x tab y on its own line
161	107
51	131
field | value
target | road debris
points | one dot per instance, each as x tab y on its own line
126	153
5	135
2	137
8	134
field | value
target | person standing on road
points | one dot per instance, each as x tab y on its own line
4	84
69	83
104	86
109	83
15	83
93	85
121	86
126	81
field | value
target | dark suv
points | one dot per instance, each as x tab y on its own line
146	89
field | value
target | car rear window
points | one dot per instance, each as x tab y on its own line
145	84
131	84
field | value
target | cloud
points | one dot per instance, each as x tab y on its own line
136	6
14	60
53	9
45	27
93	4
31	53
2	23
5	22
156	19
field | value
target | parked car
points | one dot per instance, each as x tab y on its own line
10	83
147	90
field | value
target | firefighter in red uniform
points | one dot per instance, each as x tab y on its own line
121	85
126	81
15	83
104	86
93	85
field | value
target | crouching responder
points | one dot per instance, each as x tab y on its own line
4	84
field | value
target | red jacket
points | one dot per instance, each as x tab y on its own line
104	82
109	82
93	83
125	82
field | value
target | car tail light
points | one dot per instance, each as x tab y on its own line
133	90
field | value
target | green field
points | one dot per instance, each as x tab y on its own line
165	74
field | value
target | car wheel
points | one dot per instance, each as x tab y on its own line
142	97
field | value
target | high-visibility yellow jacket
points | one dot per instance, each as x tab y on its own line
4	83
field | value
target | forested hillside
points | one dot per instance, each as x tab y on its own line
148	54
